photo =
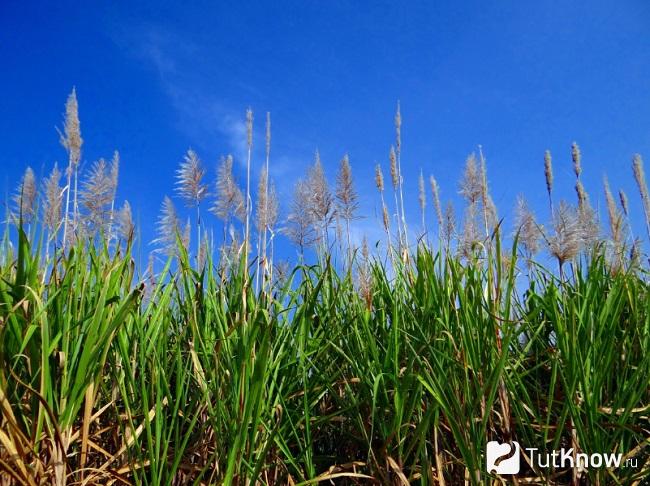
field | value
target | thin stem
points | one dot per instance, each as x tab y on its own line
198	231
67	206
248	207
401	195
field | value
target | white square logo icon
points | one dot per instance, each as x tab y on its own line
502	458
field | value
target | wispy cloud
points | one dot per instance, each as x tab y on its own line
234	129
202	116
370	228
159	47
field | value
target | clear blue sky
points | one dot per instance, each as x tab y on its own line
156	78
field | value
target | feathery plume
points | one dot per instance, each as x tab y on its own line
230	200
589	226
379	178
300	222
396	180
189	179
582	194
564	244
626	211
624	204
615	219
25	197
379	182
393	167
96	197
435	194
587	220
114	172
272	206
320	201
263	206
190	186
398	145
249	127
71	136
168	228
635	252
526	227
490	217
52	196
639	177
261	212
386	221
449	227
386	218
272	213
576	157
471	186
125	226
548	174
346	198
472	189
470	236
267	204
365	253
72	142
615	227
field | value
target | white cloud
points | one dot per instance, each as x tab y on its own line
208	121
370	228
234	128
202	115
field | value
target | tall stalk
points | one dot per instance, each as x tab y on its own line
72	141
262	241
398	150
249	145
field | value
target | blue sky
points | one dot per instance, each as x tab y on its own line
156	78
